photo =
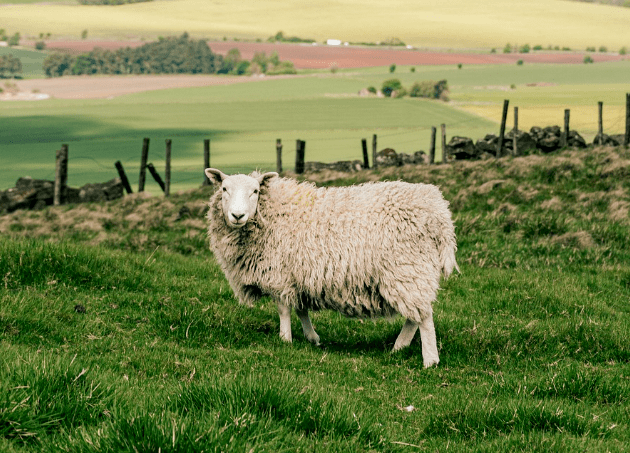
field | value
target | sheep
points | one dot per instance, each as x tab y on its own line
369	250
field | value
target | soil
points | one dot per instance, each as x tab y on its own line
303	56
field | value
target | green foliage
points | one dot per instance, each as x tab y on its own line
588	59
390	86
14	40
372	90
167	56
524	48
537	47
623	51
283	67
10	65
412	69
279	37
591	49
429	89
392	68
230	62
84	34
519	63
40	45
603	49
459	66
507	48
393	42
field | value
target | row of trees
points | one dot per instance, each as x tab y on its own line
425	89
172	55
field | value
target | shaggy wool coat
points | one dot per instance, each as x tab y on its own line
369	250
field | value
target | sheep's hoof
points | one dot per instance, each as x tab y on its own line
286	338
314	339
431	362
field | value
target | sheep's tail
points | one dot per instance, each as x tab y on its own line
447	259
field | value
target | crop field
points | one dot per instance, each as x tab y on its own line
119	332
446	24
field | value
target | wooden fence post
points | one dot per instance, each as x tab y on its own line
600	121
206	160
444	153
156	176
432	146
626	137
143	164
374	151
279	156
300	146
61	175
515	142
499	153
366	161
565	134
123	176
167	169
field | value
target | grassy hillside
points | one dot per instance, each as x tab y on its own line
532	334
452	23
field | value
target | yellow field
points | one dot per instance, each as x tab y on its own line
425	23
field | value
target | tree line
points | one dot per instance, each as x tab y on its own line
171	55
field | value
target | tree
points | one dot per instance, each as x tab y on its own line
58	64
10	65
260	58
390	86
14	40
230	61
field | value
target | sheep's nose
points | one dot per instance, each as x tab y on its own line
238	217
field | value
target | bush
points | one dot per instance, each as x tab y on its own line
538	47
10	65
3	35
40	45
524	48
590	49
588	59
412	69
623	51
519	62
507	48
84	34
58	64
603	49
392	68
391	85
429	89
283	67
14	40
371	90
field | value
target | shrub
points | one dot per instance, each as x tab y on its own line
507	48
84	34
230	61
459	66
623	51
537	47
58	64
392	68
371	90
334	68
14	40
566	49
588	59
40	45
429	89
283	67
590	49
519	62
493	50
603	49
3	35
402	92
524	48
10	65
390	85
412	69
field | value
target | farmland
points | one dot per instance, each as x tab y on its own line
446	24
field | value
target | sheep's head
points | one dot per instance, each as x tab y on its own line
239	194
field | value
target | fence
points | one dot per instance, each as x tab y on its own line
190	172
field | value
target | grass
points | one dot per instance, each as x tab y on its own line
532	334
451	24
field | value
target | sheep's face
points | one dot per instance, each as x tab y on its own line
239	195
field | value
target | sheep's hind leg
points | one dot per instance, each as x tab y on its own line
406	335
430	354
307	327
285	322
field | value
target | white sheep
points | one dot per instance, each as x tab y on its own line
370	250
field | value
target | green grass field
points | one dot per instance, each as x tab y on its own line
447	24
533	335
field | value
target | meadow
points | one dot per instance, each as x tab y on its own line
445	24
119	332
244	120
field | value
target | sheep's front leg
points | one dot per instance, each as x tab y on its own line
307	327
406	335
285	322
430	354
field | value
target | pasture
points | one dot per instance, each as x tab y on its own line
447	24
244	120
119	331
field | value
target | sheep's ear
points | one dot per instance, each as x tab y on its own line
266	177
215	176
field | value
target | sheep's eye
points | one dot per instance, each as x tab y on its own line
255	191
224	189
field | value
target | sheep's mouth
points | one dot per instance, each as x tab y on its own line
236	223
